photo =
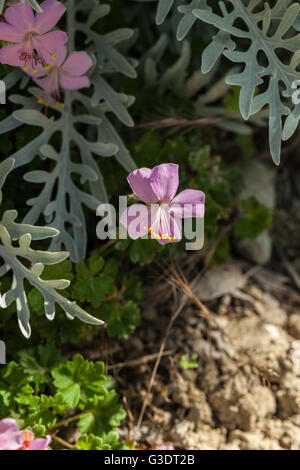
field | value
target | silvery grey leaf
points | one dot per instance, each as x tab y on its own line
12	257
60	200
268	28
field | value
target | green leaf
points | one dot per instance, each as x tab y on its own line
95	281
44	410
133	288
187	362
122	320
91	442
38	362
71	395
143	251
109	441
255	220
15	385
87	375
106	417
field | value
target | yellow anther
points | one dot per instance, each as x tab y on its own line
47	67
41	101
34	71
25	68
54	57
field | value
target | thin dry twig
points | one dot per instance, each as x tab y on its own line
138	361
179	123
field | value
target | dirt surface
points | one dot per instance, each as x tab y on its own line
245	392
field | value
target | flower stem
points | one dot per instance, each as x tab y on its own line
71	419
63	442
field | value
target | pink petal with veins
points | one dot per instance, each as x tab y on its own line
50	42
40	444
164	181
139	181
136	221
189	203
67	82
52	13
77	64
21	17
9	33
11	55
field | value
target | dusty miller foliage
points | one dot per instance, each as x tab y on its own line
265	76
249	33
12	254
202	89
33	3
61	199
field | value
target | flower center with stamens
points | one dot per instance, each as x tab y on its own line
31	53
162	218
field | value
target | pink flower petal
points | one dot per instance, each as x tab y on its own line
140	185
73	83
11	55
9	33
78	63
49	84
39	74
60	57
50	42
52	13
21	17
136	221
189	203
40	444
10	436
164	181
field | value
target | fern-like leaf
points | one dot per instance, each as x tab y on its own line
267	29
62	199
11	256
200	88
33	3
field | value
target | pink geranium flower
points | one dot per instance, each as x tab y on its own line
161	218
11	438
68	73
31	34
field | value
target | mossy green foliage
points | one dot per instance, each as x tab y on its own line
43	390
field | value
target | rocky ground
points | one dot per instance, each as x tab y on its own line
245	392
243	323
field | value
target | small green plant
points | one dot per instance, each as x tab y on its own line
256	219
45	394
189	362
